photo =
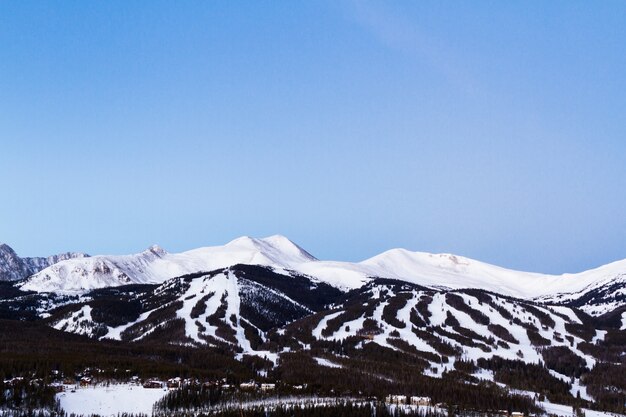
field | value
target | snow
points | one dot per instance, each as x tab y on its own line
79	322
484	375
452	271
578	388
111	400
115	333
599	337
566	410
317	332
327	363
568	312
155	265
439	308
556	409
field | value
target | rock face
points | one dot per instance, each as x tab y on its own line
13	268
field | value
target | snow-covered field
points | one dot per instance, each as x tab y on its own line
129	398
111	400
566	410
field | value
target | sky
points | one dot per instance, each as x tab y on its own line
493	130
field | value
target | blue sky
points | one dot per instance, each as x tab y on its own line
494	130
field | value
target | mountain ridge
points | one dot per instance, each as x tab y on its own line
439	271
13	267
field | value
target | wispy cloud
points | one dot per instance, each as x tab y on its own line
395	30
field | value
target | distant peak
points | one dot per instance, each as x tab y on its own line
156	250
241	239
277	238
284	243
271	244
6	248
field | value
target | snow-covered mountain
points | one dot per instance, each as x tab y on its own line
254	310
602	287
235	306
13	267
274	319
270	304
155	265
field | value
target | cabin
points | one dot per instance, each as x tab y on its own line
424	401
85	381
173	383
396	399
153	383
517	414
268	387
247	386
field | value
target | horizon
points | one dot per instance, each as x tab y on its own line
301	247
491	131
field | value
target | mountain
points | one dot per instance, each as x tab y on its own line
596	291
253	311
456	329
380	337
235	306
13	268
246	307
155	265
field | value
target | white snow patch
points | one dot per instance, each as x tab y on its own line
599	337
111	400
327	363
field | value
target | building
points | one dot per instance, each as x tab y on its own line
153	383
268	387
174	382
420	401
247	386
396	399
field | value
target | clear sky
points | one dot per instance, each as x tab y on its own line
490	129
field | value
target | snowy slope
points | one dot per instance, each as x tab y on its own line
437	271
236	306
252	310
465	325
451	271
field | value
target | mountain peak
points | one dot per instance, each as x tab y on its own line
13	268
156	250
6	248
288	246
275	246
